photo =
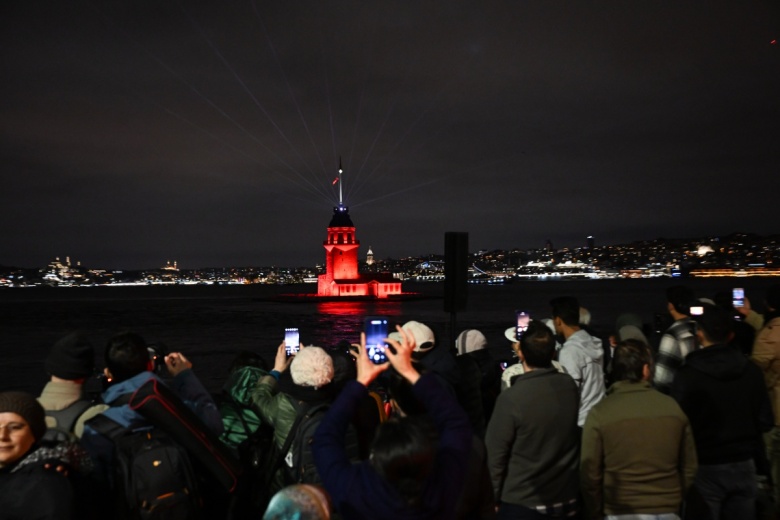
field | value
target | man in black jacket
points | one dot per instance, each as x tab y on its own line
723	395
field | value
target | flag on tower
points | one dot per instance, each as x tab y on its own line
335	181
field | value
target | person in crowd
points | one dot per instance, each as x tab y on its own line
532	438
469	391
370	411
743	335
280	395
436	358
472	344
34	477
69	363
750	316
476	499
678	341
627	326
724	396
239	419
299	502
512	371
128	367
409	475
581	355
766	354
638	456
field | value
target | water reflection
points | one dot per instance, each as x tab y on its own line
336	321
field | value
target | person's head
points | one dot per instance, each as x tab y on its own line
424	338
565	311
247	358
403	453
537	345
344	368
126	356
299	502
470	340
680	298
71	357
312	366
22	425
632	361
714	325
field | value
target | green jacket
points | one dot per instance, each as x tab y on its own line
275	408
638	455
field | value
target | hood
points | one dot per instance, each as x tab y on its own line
587	344
128	386
719	361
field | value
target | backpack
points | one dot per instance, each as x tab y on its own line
153	472
66	420
298	464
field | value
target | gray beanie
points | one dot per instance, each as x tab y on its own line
27	407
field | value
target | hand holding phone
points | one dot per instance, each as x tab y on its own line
376	331
522	321
738	297
292	341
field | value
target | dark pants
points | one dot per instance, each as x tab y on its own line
727	490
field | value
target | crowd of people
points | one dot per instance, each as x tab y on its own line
581	423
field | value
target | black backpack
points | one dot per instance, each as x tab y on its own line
154	474
298	462
66	420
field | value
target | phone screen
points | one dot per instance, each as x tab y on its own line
292	340
376	331
697	311
523	319
738	297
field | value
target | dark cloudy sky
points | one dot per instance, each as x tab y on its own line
138	131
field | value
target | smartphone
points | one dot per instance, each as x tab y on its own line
523	319
697	310
292	341
738	297
375	328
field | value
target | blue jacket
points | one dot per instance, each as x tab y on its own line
186	385
357	491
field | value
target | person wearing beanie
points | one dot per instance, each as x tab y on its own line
70	362
297	382
30	483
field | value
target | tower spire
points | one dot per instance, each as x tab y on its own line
341	197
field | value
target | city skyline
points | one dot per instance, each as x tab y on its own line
137	132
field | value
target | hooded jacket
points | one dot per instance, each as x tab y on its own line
766	354
582	358
723	394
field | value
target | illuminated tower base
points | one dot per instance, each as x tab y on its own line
341	278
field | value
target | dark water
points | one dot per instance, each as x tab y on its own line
210	324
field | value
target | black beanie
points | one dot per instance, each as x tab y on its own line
27	407
72	357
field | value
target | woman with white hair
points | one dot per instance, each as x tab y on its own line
296	383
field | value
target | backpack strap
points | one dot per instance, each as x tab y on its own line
67	417
302	409
107	426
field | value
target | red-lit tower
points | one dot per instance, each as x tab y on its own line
341	276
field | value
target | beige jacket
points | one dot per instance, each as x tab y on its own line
766	354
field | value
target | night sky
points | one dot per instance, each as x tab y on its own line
209	132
